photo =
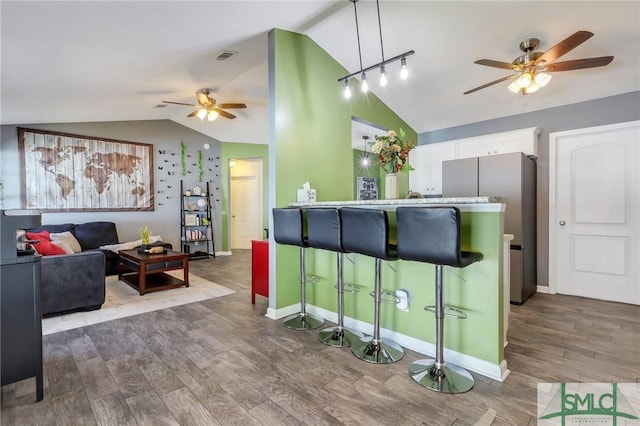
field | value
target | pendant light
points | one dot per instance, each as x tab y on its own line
364	86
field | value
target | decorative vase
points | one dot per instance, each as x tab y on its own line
391	186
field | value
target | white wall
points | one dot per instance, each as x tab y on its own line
613	109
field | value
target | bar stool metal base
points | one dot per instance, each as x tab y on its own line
339	338
383	352
449	378
302	321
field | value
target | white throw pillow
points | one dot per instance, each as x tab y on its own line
68	239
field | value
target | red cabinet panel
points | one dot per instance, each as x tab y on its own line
259	269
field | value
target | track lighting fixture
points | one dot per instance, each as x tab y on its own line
383	77
347	90
364	86
404	72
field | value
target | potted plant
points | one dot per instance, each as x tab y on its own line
145	238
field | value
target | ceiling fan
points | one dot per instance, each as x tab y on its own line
208	107
533	67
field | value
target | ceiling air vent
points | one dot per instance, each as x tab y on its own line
225	55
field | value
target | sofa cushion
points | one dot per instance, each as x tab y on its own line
44	246
92	235
63	227
67	239
72	282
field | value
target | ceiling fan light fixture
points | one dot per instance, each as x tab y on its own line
404	71
212	115
533	87
202	113
514	87
541	79
524	80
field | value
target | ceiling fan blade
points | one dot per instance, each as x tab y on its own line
497	64
564	46
509	77
579	64
194	113
225	113
178	103
205	100
232	106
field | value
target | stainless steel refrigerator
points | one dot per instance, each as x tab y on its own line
512	176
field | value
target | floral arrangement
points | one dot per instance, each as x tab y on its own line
393	152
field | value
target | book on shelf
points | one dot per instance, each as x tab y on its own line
190	219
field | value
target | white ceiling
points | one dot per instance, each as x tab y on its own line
116	60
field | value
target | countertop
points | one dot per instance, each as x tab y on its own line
464	203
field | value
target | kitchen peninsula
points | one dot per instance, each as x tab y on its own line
476	343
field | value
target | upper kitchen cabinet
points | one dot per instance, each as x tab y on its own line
523	140
426	178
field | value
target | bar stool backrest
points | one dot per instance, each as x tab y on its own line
288	227
323	229
366	231
430	234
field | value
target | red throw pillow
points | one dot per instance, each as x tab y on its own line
45	247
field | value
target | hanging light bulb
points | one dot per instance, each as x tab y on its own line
404	71
364	160
212	115
202	113
542	79
365	85
383	77
347	89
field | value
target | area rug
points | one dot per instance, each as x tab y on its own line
123	301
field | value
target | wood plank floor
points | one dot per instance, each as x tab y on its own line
222	362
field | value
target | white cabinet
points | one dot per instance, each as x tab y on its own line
524	140
426	178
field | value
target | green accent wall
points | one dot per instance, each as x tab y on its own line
234	150
311	135
474	289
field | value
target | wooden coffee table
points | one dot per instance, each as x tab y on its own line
149	270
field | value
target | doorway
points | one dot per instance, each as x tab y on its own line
594	212
246	202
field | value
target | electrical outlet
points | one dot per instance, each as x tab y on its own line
403	295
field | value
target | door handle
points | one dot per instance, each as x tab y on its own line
562	223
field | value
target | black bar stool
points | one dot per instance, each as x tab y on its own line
289	230
432	235
366	231
323	230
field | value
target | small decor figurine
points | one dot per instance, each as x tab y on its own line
197	190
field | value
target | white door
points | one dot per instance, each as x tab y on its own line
594	227
246	204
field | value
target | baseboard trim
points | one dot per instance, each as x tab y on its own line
543	289
276	314
223	253
494	371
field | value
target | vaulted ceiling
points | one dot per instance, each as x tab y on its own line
117	60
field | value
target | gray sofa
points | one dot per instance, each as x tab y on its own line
76	282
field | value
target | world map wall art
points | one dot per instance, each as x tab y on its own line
64	172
